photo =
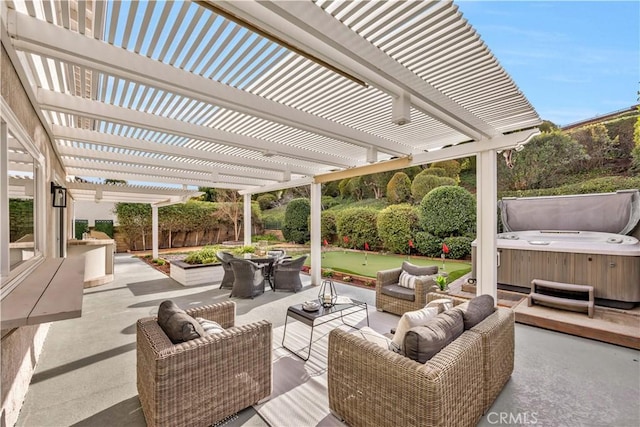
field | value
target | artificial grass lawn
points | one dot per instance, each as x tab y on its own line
352	262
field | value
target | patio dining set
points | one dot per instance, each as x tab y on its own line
247	277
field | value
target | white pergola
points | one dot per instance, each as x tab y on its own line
259	96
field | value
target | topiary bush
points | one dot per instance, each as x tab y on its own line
459	247
359	226
328	229
399	188
448	211
435	171
424	182
396	226
452	168
427	244
296	228
266	201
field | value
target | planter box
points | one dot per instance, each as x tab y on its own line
196	274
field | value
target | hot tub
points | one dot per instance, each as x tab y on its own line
608	261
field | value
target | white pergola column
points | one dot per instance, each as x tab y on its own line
4	199
316	238
154	231
247	219
487	211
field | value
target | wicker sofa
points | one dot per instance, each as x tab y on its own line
370	385
204	380
395	299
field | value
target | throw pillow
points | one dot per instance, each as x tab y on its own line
421	343
209	326
370	335
443	304
416	270
408	321
177	324
407	280
478	309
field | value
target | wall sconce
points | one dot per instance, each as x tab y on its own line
59	196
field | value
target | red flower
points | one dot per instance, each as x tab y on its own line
366	246
445	248
411	243
325	242
345	239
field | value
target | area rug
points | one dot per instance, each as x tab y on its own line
299	396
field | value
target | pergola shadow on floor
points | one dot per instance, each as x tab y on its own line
86	375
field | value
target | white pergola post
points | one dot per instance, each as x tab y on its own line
154	231
487	211
247	219
316	248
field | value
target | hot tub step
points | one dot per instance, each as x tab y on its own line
571	295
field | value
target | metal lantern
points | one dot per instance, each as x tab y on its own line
327	294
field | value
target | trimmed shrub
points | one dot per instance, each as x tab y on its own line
424	182
459	247
296	217
435	171
359	226
428	244
328	228
266	201
399	188
452	168
396	225
343	188
448	211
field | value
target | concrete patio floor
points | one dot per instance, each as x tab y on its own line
86	375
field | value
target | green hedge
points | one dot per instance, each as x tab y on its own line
296	217
399	188
396	226
448	211
424	182
104	225
359	226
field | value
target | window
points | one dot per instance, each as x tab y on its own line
22	202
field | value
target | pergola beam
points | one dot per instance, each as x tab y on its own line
143	161
108	174
99	138
300	24
50	100
35	36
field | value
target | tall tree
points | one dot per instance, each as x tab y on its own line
230	210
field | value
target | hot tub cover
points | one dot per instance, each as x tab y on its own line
616	213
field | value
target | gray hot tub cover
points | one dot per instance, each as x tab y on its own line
616	213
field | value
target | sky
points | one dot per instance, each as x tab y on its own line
573	60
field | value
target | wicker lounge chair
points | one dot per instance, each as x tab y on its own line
202	381
371	385
227	279
286	274
398	300
248	278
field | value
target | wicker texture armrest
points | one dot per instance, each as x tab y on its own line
372	386
223	312
498	344
201	381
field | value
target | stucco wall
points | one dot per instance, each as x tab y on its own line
21	347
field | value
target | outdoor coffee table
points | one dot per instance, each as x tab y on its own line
321	316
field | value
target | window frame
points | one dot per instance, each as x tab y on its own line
11	278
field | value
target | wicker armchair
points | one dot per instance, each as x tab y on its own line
398	300
286	274
202	381
248	278
372	386
227	279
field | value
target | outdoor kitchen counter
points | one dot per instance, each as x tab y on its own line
98	259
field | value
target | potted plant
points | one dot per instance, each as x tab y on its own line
441	281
